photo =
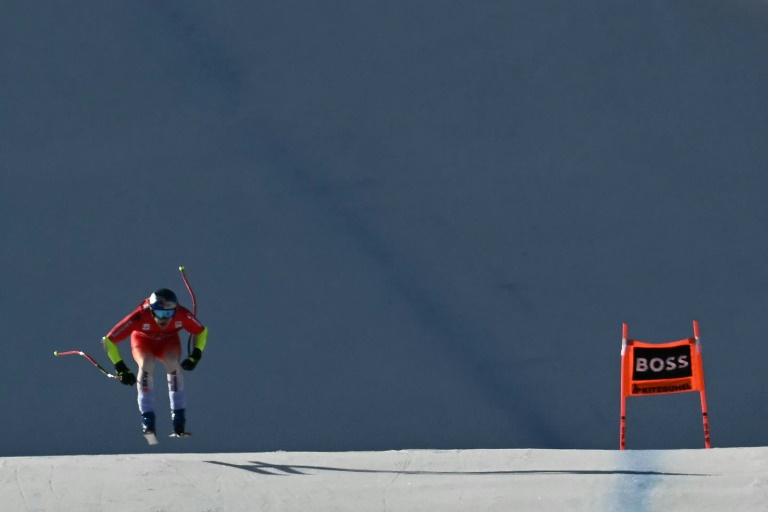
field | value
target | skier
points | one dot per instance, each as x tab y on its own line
154	330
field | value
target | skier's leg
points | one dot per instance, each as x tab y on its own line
146	398
175	378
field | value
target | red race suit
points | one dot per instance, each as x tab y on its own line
148	338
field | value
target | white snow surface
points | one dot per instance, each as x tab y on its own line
730	479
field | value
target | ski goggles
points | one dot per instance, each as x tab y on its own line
164	313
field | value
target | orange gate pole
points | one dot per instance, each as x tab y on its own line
702	391
623	422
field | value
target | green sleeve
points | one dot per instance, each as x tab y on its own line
111	349
201	339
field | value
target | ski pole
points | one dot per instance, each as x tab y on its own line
92	360
194	304
189	288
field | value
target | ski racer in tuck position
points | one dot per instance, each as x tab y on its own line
154	330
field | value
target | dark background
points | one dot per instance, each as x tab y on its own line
409	224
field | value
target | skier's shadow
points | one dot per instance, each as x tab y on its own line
265	468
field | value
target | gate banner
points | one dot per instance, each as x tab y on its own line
661	368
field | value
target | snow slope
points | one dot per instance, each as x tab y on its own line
733	479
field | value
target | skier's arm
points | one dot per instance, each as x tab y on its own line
193	326
194	357
124	375
201	339
111	349
118	333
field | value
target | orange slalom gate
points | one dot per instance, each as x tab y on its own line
661	368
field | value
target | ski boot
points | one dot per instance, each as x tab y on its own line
148	427
179	422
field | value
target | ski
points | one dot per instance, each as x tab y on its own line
151	438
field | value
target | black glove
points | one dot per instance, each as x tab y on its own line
190	362
124	375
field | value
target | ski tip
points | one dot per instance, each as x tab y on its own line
181	268
55	352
